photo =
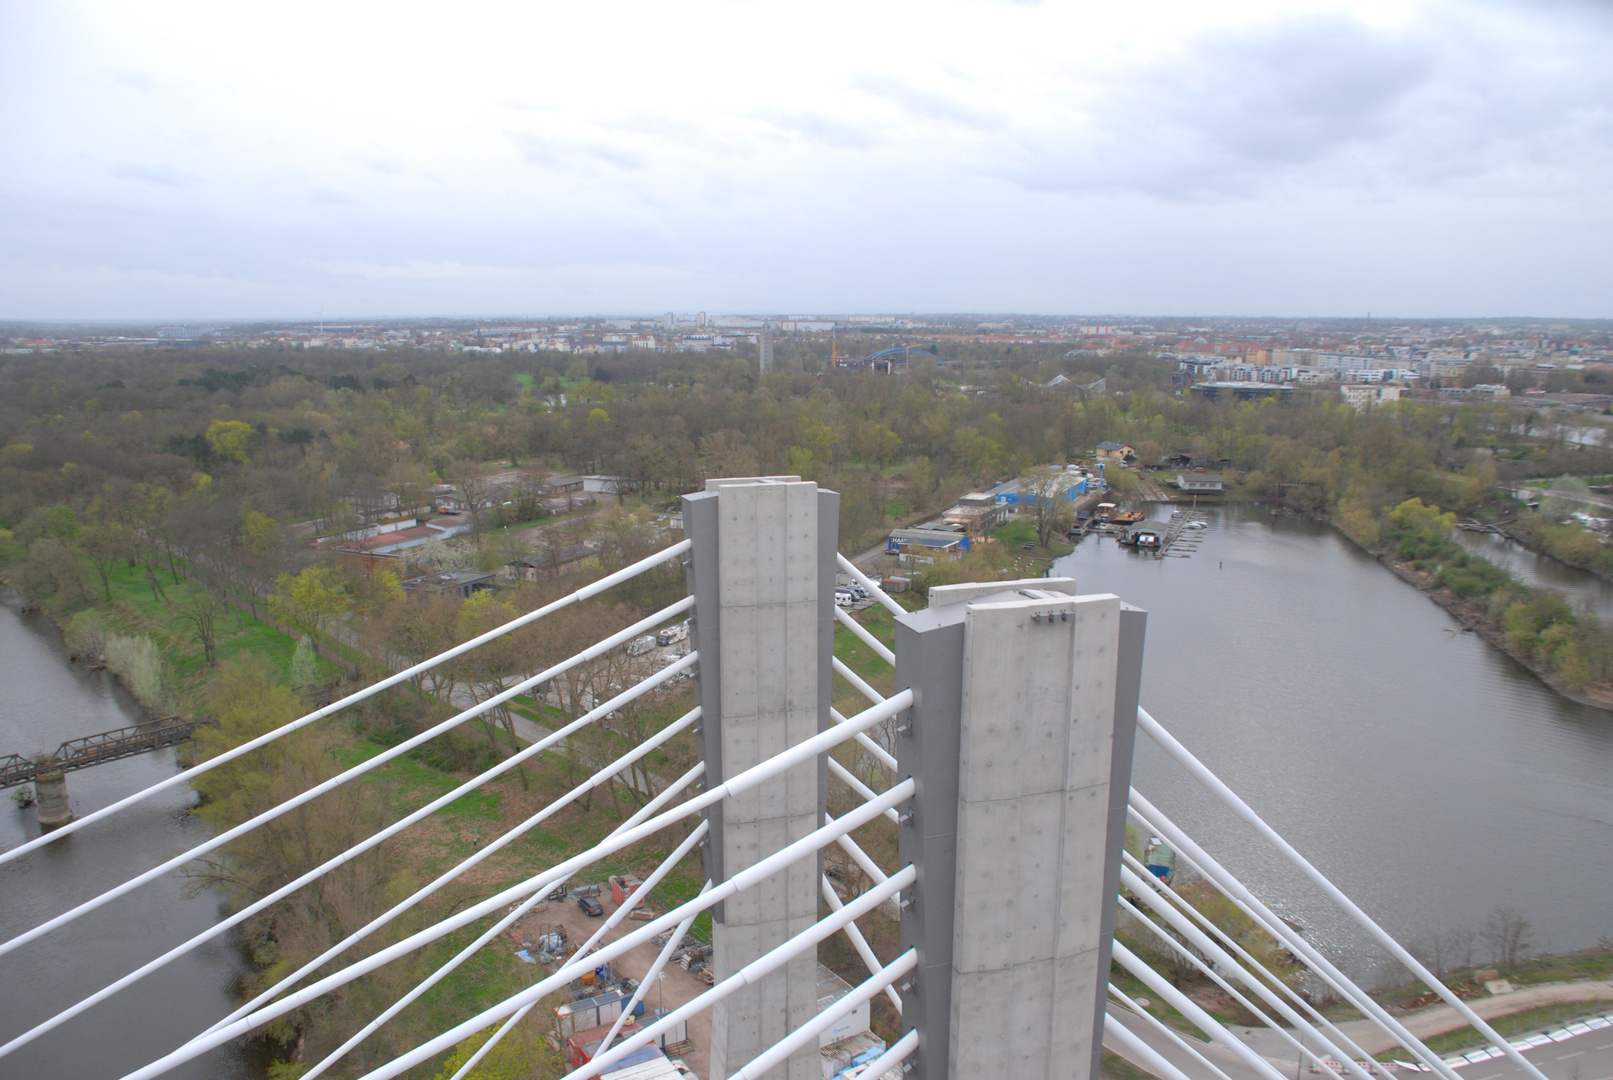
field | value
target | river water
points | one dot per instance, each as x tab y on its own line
46	701
1429	775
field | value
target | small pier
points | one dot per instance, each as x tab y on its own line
1182	536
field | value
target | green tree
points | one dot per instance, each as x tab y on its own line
230	439
307	599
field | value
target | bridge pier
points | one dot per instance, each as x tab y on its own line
50	793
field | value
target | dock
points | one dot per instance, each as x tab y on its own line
1183	535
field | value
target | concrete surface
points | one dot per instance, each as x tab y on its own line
1037	730
769	590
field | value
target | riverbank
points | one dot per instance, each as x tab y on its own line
1476	619
1567	647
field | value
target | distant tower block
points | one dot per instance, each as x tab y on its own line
765	349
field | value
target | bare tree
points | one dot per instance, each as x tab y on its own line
1509	934
1050	509
476	491
200	610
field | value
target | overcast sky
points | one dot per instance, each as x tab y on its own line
237	160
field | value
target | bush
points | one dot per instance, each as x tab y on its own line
302	664
137	660
1473	578
85	635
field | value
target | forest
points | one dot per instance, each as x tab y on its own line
159	506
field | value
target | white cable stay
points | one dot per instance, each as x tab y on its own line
604	584
899	1051
857	785
745	879
672	945
883	755
654	806
858	942
1263	920
334	782
1170	1034
861	632
1334	1038
868	583
804	942
476	946
353	852
1191	1010
804	751
1183	844
808	1032
856	681
1139	1053
743	781
1209	972
650	976
862	858
1230	799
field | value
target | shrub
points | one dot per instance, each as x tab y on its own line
137	660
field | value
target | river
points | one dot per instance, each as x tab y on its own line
1429	775
46	701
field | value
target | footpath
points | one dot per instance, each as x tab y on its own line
1441	1019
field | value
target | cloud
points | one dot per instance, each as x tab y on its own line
581	156
928	104
745	158
154	174
821	129
1329	100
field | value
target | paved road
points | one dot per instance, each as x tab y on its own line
1585	1056
1427	1023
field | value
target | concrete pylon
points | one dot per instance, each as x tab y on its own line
1021	745
762	572
50	796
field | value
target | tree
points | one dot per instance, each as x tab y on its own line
484	671
105	543
302	664
53	569
229	439
475	489
1509	934
200	610
307	599
1047	485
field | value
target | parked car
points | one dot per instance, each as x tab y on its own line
590	907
